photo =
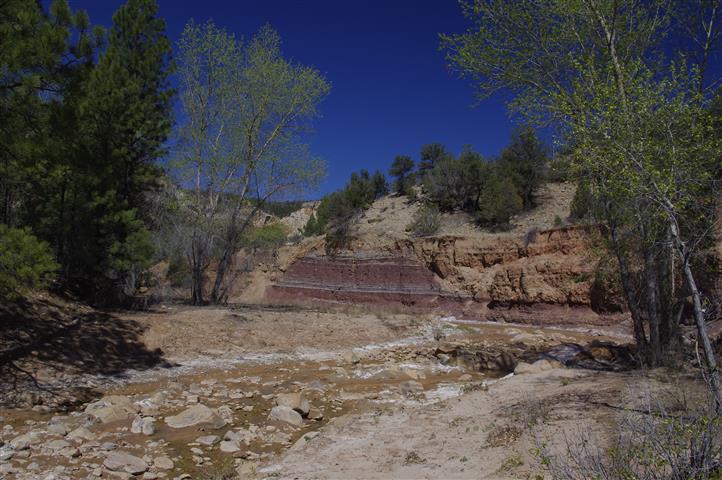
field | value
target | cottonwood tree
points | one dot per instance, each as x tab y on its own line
623	81
246	109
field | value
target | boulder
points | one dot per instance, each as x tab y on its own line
286	414
229	446
125	462
296	401
25	441
241	435
351	357
81	433
112	408
163	463
207	440
144	425
195	415
315	414
536	367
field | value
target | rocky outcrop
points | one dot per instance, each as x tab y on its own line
547	277
548	267
365	278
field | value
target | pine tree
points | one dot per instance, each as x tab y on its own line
126	115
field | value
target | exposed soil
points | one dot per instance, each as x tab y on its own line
394	395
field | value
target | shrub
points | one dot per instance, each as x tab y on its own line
179	272
455	184
282	209
426	221
498	202
582	207
25	262
340	206
673	441
267	237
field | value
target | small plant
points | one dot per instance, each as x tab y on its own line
558	222
511	463
427	221
413	458
25	262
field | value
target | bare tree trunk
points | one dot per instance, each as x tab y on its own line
639	336
650	283
196	285
224	263
197	269
699	319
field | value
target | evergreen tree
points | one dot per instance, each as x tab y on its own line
402	168
380	185
431	154
525	160
127	116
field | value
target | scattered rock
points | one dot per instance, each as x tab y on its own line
56	444
81	433
286	414
229	446
144	425
23	442
6	453
296	401
315	414
163	463
125	462
195	415
351	357
112	408
208	440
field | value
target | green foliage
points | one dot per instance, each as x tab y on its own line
246	109
282	209
427	221
582	207
629	85
269	236
79	138
525	160
430	155
25	262
179	272
498	201
456	183
402	168
339	207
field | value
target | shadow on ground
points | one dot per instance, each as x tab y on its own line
46	348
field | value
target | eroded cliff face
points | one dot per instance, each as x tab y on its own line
547	277
370	278
552	266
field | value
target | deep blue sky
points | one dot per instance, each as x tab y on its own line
391	91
